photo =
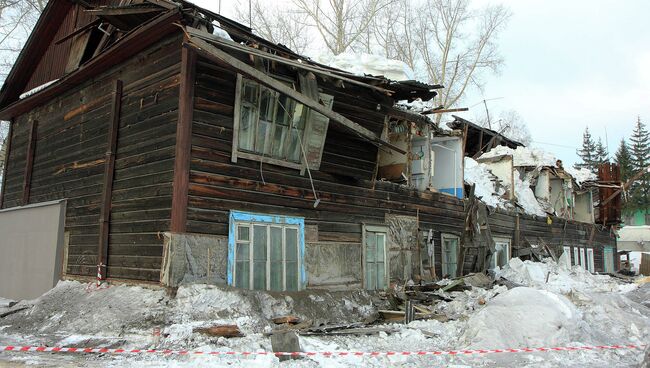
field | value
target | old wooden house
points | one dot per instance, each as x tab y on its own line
158	141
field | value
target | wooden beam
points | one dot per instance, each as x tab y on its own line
197	33
442	111
626	185
29	161
210	52
109	173
183	141
6	163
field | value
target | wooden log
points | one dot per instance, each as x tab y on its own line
220	330
109	175
29	162
183	141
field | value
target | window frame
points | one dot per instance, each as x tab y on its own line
242	219
567	250
443	264
375	229
590	260
237	153
576	256
501	240
583	259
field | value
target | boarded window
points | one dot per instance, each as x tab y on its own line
590	260
375	276
608	260
449	255
267	252
274	128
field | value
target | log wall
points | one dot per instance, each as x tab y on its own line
70	147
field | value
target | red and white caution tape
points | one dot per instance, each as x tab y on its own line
49	349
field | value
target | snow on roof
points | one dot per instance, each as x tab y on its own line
363	64
37	89
523	156
580	175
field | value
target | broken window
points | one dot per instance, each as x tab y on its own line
375	275
449	255
266	252
501	254
273	128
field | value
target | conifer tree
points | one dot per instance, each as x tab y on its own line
587	153
601	155
640	159
624	161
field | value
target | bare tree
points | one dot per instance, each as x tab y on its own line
341	24
276	24
17	19
457	44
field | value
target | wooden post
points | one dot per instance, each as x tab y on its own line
6	163
29	161
183	141
109	173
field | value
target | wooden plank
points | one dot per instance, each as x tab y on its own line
29	162
6	164
183	141
208	51
109	174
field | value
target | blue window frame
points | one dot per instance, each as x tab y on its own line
266	252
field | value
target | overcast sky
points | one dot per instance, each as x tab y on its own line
569	64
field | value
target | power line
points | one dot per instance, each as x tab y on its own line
553	144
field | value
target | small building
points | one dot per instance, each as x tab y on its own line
161	142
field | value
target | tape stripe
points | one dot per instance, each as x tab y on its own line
56	349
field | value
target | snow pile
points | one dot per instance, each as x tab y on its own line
523	156
581	175
526	197
562	279
479	175
218	31
523	317
416	105
362	64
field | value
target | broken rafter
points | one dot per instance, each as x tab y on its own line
211	52
197	33
442	111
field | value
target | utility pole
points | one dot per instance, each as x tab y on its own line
488	114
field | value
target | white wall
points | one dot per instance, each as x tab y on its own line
503	169
31	249
448	165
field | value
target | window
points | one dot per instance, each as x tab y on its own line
375	262
449	255
608	256
567	252
273	128
575	256
583	263
590	260
266	252
502	253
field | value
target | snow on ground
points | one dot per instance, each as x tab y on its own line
523	156
362	64
574	308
